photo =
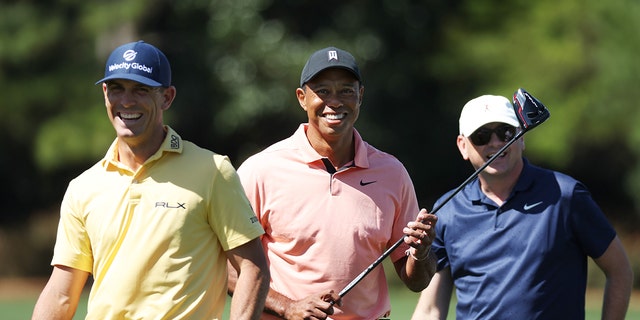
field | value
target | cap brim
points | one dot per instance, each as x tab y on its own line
133	77
355	75
507	120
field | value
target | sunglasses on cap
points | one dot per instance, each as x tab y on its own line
483	135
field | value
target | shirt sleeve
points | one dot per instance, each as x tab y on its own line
407	211
248	179
591	227
231	214
72	248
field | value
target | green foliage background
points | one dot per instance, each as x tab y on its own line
236	64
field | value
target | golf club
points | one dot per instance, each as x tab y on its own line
530	113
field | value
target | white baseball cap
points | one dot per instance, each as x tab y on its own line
486	109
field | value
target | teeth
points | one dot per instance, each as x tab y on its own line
502	155
334	116
128	116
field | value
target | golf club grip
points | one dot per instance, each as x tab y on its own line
359	278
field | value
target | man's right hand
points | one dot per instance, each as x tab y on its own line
312	307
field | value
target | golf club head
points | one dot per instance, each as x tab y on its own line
529	110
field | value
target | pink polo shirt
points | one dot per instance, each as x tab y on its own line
323	229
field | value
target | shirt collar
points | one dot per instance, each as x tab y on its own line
172	143
525	180
310	155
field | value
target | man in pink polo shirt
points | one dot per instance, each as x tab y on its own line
331	204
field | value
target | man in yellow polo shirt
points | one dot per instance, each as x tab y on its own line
331	204
157	219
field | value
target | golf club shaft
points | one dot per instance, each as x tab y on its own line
478	171
355	281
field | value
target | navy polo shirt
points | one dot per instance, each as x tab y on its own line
526	259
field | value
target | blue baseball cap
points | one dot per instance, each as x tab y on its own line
138	61
330	57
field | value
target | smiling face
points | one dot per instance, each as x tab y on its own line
509	163
135	110
332	101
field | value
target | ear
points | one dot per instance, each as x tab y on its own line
169	94
301	95
462	142
361	96
104	92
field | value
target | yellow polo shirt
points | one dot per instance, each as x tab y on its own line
154	239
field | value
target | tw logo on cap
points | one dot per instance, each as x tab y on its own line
333	55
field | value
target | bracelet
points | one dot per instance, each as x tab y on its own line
410	254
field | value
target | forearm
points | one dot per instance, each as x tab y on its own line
616	298
276	304
434	300
419	269
53	306
60	297
249	292
617	269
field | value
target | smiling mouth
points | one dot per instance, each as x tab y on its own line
504	154
129	116
334	116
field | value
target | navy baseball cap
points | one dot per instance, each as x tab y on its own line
326	58
138	61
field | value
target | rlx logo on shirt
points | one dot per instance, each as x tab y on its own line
171	205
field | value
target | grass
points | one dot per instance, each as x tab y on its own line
403	302
18	297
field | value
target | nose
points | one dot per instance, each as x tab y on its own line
128	98
495	139
333	100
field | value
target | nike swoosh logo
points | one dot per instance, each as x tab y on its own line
362	183
531	206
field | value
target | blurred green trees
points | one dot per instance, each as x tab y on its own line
236	64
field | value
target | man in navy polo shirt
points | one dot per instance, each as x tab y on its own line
514	243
